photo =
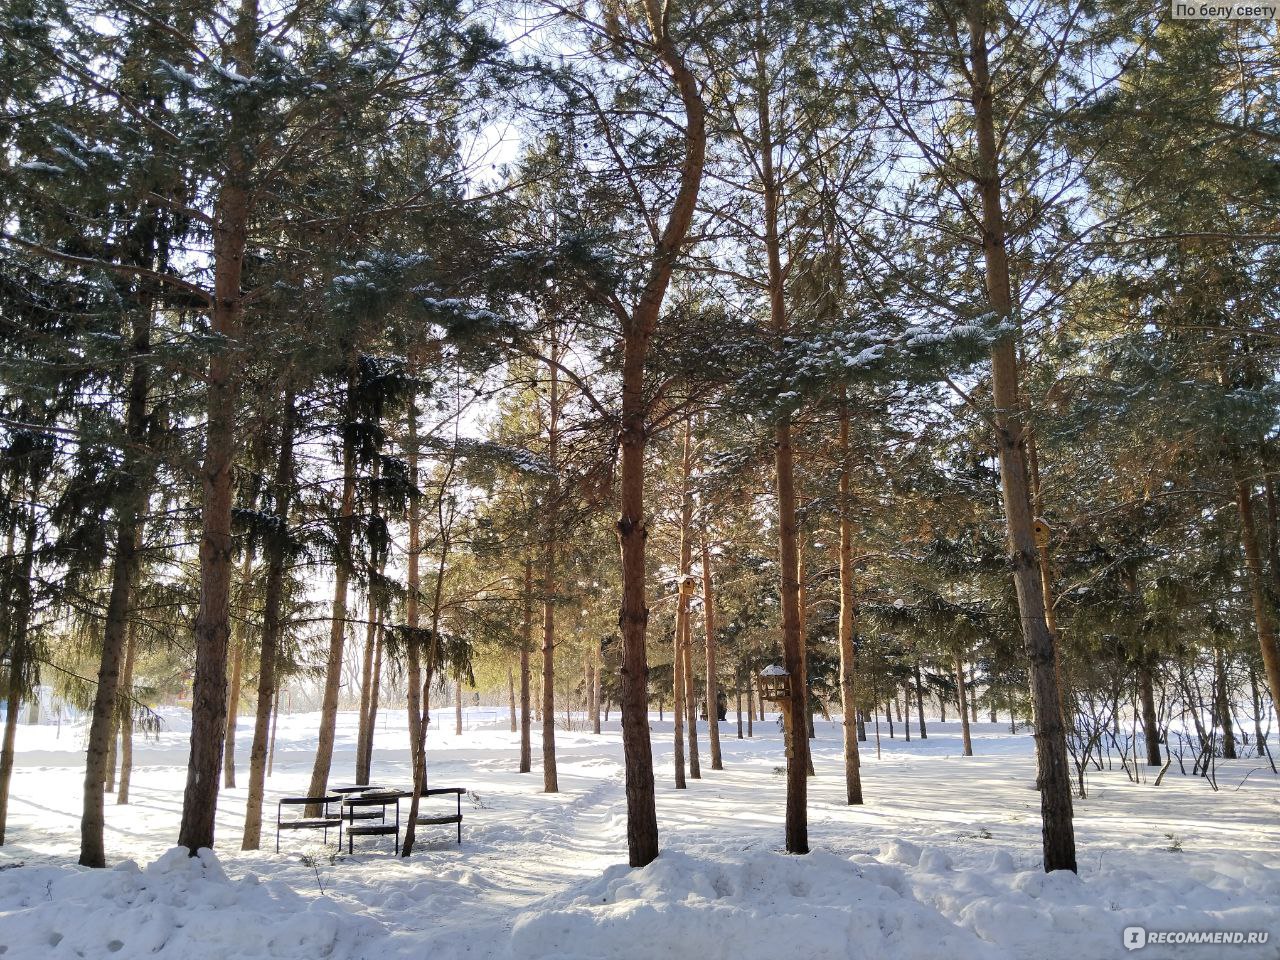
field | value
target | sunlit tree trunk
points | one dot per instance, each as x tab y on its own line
457	706
709	632
1053	774
237	679
639	327
267	709
104	724
962	702
126	717
338	614
212	626
848	620
550	780
798	761
526	746
511	697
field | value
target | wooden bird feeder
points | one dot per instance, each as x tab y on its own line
1041	531
688	585
775	684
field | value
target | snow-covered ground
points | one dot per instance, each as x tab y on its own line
942	863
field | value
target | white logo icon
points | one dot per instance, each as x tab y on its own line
1135	938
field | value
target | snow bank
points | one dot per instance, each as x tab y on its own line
731	906
1034	914
177	907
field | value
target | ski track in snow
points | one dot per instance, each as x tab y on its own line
942	861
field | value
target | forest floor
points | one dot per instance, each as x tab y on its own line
942	862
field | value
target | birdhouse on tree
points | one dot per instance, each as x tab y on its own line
775	684
1041	531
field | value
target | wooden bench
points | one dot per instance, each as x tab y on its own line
323	822
351	812
428	820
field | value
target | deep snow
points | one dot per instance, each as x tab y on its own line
942	861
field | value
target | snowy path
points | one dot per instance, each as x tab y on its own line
942	861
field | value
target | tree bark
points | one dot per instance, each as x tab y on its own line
638	330
433	658
267	708
1053	777
412	612
526	747
685	587
129	527
677	696
848	620
457	706
1263	612
237	679
1150	724
511	697
1222	700
375	696
126	717
275	724
550	780
338	615
595	689
738	702
113	749
212	626
691	702
709	630
19	623
798	761
962	706
924	734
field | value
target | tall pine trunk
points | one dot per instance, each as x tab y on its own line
18	618
686	592
128	537
691	702
550	780
1263	609
919	685
594	660
413	617
1053	774
1222	702
848	620
638	330
338	615
212	626
526	645
267	708
126	717
457	706
798	761
511	698
962	702
369	679
709	632
373	632
677	692
237	679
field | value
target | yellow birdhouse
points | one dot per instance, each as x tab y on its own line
1042	532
